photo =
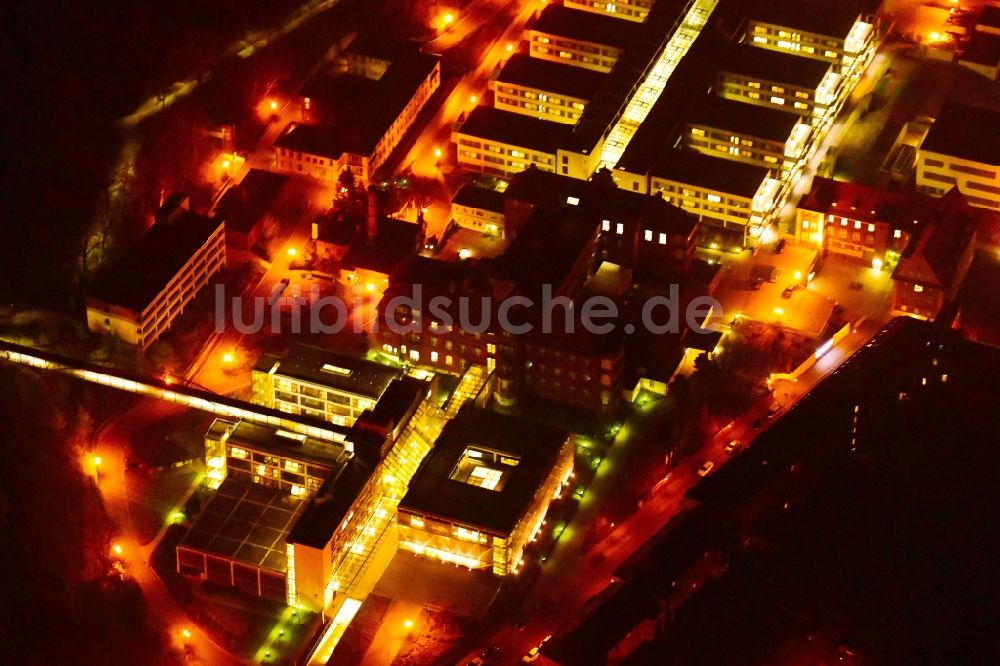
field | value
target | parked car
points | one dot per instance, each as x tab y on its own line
705	468
787	293
780	247
731	447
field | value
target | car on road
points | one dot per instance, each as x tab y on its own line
476	661
789	290
532	655
731	447
773	410
756	424
780	247
705	468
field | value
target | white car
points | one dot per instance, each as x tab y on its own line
731	447
705	468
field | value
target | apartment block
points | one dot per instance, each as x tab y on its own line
356	110
755	135
772	79
579	38
543	89
629	10
962	150
834	31
502	143
139	297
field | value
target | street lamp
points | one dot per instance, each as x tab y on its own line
437	153
408	624
291	252
473	98
228	358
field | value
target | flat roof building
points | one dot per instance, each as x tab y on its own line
479	209
761	136
543	89
772	79
138	298
836	31
962	150
629	10
358	108
320	383
482	492
501	143
580	38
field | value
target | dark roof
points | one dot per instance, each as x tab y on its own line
716	173
544	188
864	203
432	492
338	227
327	508
742	118
966	131
769	65
246	522
273	440
982	49
990	17
515	129
587	26
395	241
401	396
473	196
553	77
306	362
832	18
356	111
243	205
943	243
135	280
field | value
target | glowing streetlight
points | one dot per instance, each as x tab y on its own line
437	153
291	252
117	549
877	264
779	311
510	47
464	253
226	164
473	98
448	18
274	106
797	275
228	358
97	461
185	633
408	624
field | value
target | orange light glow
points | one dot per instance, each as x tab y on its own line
226	164
291	252
97	461
448	18
474	98
408	624
167	379
228	358
116	549
437	153
274	105
510	47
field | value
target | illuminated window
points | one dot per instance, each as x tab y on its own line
292	466
897	234
448	360
777	100
485	477
663	241
619	228
573	201
414	355
648	235
298	491
238	453
871	228
416	522
434	357
805	224
606	225
714	198
857	225
918	288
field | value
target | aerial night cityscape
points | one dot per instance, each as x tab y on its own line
475	332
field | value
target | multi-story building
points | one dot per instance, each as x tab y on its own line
304	520
764	137
502	143
721	193
479	209
932	268
481	494
245	208
138	298
962	150
316	382
543	89
866	223
834	31
357	110
580	38
772	79
630	10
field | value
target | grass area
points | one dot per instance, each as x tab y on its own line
438	634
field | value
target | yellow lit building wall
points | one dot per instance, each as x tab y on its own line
143	328
589	55
537	103
979	183
296	396
479	219
630	10
497	158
